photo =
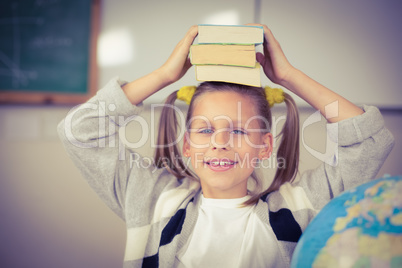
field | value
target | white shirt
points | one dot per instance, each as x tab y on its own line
227	235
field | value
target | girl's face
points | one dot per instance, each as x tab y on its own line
225	142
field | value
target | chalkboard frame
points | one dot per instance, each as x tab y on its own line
39	97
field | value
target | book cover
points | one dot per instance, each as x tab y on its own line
223	54
230	34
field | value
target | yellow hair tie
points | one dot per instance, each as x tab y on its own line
274	95
186	93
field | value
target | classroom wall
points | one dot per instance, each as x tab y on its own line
49	217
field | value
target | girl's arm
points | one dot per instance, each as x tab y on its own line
280	71
363	142
90	134
174	68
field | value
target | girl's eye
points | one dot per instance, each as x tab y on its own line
206	131
239	132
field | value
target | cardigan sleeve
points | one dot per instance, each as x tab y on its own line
363	144
89	134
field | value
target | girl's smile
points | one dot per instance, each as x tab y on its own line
220	165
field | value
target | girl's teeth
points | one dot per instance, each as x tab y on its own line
216	163
220	163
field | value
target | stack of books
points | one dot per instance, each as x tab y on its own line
227	54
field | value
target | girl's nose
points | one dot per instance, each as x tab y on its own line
221	140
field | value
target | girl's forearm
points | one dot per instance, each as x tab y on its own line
140	89
331	105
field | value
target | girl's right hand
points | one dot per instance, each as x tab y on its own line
178	63
172	70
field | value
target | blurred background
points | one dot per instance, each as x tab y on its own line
49	217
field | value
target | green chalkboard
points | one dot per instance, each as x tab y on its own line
47	48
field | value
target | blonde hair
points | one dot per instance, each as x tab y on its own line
168	153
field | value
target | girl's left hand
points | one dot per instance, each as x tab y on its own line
281	72
274	62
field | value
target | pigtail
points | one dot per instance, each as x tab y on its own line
288	151
167	154
289	147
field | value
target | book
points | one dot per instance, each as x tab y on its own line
230	34
222	54
231	74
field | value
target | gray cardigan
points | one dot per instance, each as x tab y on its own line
160	211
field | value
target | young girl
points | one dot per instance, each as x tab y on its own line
205	216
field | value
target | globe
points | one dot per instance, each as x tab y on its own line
362	227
